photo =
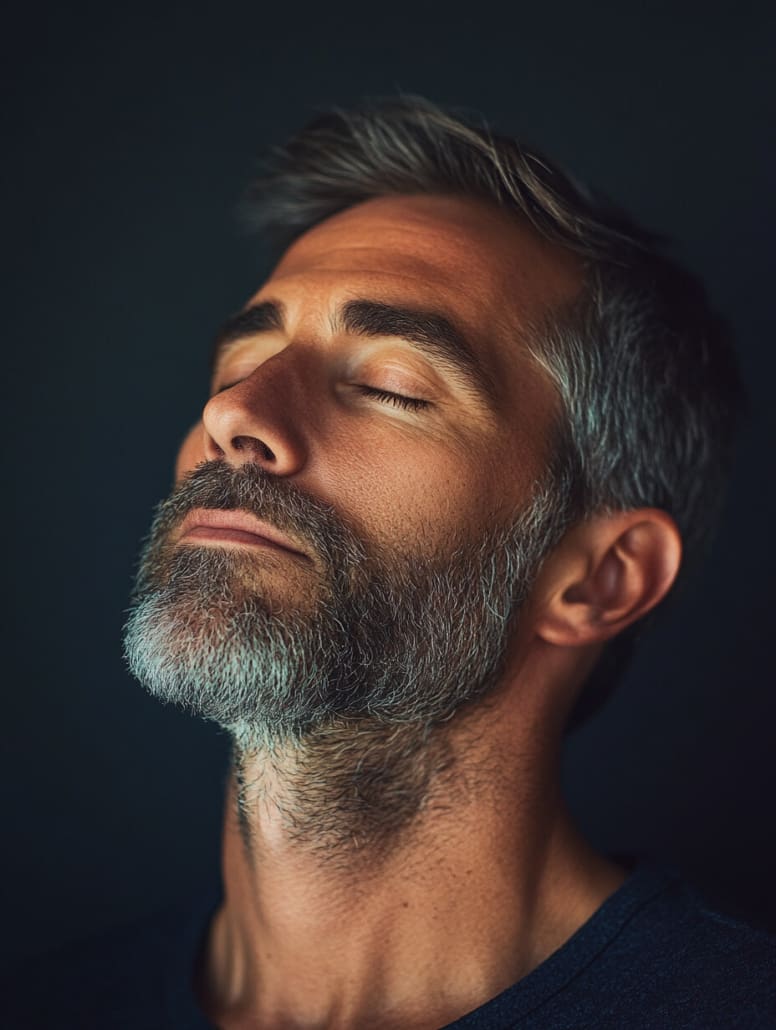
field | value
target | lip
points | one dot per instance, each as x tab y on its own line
220	525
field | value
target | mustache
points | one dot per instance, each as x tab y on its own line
218	485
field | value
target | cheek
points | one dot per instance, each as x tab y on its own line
414	496
192	451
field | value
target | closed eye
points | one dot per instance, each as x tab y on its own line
398	400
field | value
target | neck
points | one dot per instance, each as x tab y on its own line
347	793
394	877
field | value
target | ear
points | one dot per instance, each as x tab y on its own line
605	574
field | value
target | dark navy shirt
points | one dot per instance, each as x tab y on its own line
652	957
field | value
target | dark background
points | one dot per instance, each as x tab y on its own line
129	137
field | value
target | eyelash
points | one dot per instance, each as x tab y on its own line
398	400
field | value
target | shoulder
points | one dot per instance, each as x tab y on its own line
733	962
676	962
700	935
655	956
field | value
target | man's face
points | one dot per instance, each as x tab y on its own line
376	404
403	476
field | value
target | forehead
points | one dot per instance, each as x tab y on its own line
490	270
487	273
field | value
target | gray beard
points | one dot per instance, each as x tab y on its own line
338	712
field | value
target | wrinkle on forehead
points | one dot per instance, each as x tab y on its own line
493	258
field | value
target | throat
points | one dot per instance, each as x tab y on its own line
389	877
347	789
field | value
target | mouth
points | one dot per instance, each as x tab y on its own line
224	527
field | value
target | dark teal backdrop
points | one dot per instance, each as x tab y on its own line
128	139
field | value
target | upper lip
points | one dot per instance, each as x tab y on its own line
222	518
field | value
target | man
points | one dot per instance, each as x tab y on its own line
458	447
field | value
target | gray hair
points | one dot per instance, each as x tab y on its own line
645	369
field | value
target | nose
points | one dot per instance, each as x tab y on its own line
253	421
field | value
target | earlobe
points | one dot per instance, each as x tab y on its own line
606	574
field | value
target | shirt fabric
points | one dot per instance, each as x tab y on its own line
652	957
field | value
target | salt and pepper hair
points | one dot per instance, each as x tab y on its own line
643	365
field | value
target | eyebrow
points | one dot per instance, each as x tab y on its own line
430	332
266	317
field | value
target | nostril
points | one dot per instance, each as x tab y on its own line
251	443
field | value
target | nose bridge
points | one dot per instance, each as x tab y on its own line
259	418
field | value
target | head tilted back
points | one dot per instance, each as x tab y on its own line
643	365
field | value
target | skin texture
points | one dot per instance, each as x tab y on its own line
493	879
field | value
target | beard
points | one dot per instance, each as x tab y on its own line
402	638
385	647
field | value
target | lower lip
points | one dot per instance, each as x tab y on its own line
223	534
